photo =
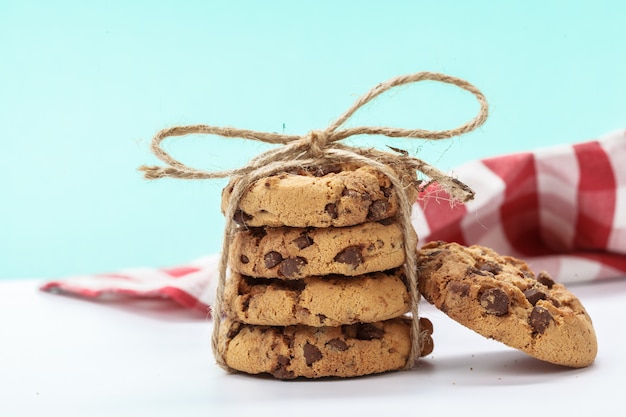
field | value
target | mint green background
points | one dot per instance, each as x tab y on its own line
84	85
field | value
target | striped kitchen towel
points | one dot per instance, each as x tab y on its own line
561	209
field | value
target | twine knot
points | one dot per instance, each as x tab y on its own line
316	141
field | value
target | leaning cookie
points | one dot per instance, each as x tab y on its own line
501	298
316	352
321	196
292	253
331	300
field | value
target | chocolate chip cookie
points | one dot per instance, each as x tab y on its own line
321	196
293	253
330	300
315	352
501	298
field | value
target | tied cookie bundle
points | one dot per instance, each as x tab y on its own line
318	273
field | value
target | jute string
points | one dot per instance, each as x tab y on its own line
322	147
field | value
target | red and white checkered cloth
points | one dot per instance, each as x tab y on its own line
562	209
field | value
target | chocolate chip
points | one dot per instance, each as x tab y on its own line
471	270
378	210
280	370
311	354
540	319
350	255
495	301
368	331
244	259
545	278
460	288
272	259
331	209
492	267
533	295
291	266
337	344
303	241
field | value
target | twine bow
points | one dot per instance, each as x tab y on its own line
319	146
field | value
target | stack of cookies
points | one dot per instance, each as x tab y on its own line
316	284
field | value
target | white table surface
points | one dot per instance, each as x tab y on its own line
63	356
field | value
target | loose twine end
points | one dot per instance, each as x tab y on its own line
319	146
